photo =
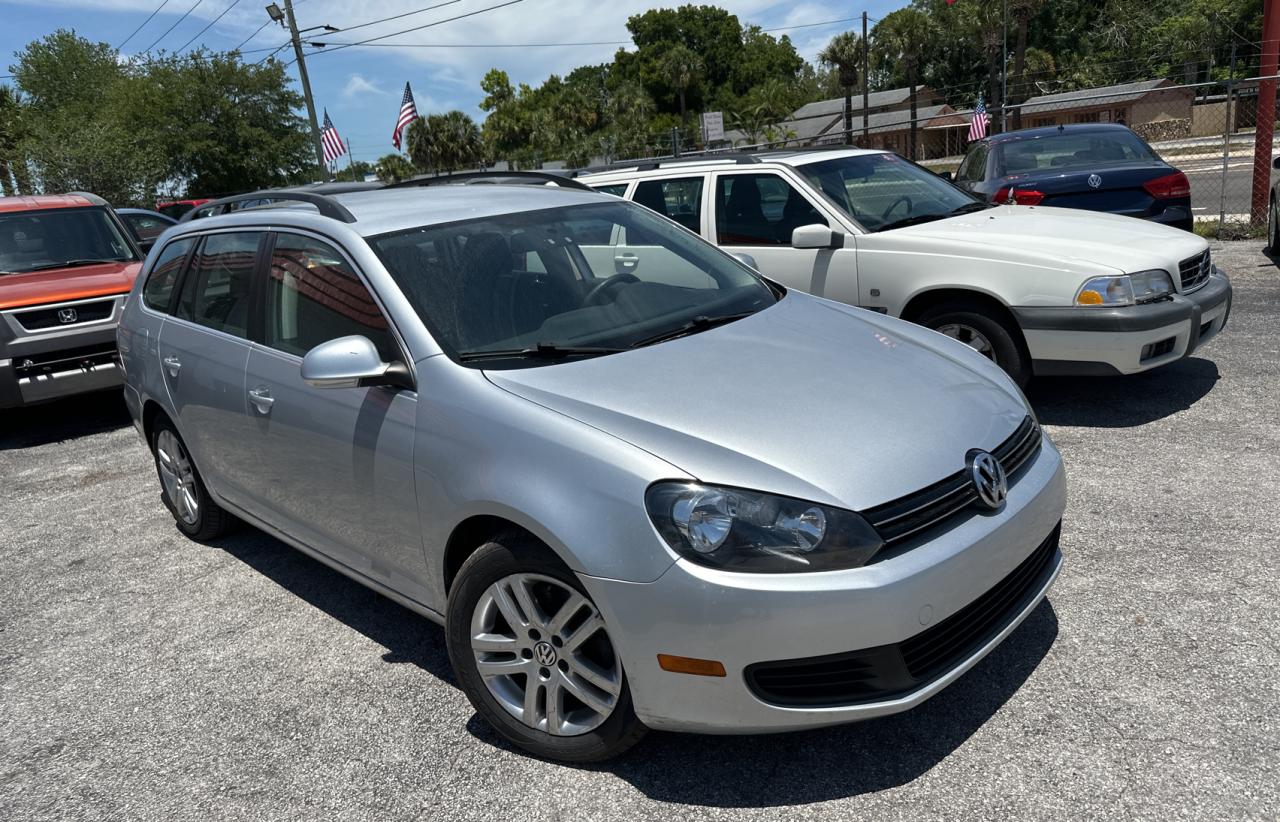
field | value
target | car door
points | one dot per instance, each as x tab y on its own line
679	199
335	466
755	213
203	350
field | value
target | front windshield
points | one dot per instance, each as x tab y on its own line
884	191
597	278
57	237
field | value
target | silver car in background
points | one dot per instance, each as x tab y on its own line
640	486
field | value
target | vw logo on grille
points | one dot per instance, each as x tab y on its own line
545	654
1094	181
67	315
988	478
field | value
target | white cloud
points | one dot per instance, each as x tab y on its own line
358	86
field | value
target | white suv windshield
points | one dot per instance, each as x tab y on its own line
538	285
884	191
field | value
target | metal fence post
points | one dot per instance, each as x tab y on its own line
1228	121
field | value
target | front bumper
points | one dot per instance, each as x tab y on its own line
1079	341
50	363
745	619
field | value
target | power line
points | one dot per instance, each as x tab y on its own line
256	32
398	16
417	28
174	26
183	47
144	23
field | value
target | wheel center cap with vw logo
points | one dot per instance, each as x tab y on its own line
544	654
988	478
67	315
1094	181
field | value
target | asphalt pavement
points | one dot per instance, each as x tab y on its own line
143	676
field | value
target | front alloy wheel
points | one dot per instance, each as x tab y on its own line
534	654
971	337
544	654
1273	231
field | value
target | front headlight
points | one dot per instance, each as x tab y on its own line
1149	286
741	530
1106	291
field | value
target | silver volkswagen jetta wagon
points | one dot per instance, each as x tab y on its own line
640	485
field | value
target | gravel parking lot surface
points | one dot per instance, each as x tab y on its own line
143	676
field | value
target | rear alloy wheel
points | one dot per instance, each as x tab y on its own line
983	330
182	490
534	655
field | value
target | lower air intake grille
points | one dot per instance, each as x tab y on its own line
889	671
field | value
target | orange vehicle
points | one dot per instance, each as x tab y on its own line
176	208
66	266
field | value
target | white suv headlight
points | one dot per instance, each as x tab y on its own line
1114	290
1149	286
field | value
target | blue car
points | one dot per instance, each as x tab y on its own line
1094	166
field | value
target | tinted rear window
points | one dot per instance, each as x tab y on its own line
1072	151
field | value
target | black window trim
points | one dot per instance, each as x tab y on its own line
260	288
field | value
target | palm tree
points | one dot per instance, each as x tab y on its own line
1022	10
682	68
903	37
843	54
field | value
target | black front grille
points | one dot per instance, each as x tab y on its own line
901	518
889	671
1194	271
42	318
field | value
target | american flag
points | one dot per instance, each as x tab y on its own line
333	147
978	127
408	113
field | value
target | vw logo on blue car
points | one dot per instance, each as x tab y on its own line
1094	181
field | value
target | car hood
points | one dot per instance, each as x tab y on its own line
1091	238
808	398
58	285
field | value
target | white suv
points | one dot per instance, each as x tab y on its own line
1044	291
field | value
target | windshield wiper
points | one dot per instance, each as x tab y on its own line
916	220
699	323
969	208
543	350
72	264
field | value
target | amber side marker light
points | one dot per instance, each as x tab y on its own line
689	665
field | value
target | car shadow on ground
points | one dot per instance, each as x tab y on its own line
1122	402
62	420
730	771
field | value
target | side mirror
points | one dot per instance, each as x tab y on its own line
816	236
746	259
946	175
351	362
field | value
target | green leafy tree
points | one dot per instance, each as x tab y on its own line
681	69
904	37
354	171
14	177
444	142
843	55
392	168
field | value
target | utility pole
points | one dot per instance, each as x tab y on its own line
1004	71
1265	128
351	162
866	92
292	23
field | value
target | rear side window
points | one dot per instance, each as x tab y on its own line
216	291
974	166
679	200
616	190
760	209
314	296
158	291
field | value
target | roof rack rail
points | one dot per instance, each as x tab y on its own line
495	178
327	206
648	164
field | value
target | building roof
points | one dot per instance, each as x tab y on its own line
40	201
1100	96
877	99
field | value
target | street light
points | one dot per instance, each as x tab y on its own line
273	11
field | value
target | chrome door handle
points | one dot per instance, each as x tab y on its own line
261	399
173	364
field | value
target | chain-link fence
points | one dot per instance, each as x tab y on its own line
1205	130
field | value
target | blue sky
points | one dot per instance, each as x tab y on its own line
361	86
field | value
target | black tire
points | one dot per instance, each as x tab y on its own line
210	521
1273	230
504	556
1007	348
